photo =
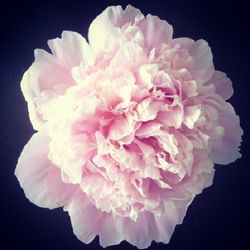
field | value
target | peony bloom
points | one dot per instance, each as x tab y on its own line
129	126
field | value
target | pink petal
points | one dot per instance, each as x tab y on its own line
148	129
201	68
147	110
131	55
50	75
175	211
120	128
88	221
191	115
156	31
39	82
137	232
39	178
203	57
149	227
110	18
172	117
71	50
223	84
226	150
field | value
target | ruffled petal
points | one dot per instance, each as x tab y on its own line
120	128
39	178
110	18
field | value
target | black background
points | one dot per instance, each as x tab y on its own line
219	217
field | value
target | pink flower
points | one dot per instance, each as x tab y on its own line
129	127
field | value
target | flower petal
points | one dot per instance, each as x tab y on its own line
156	31
201	67
110	18
41	83
131	55
39	178
120	128
50	75
175	211
71	50
149	227
88	222
191	115
137	232
223	85
226	150
203	58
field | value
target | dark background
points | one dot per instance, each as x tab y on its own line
219	217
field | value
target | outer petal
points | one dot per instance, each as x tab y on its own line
39	178
50	75
110	18
175	211
223	84
201	68
156	31
203	57
136	233
41	82
226	150
88	222
71	50
149	227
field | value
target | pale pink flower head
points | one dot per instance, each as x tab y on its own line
129	127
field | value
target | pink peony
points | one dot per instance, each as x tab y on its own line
129	127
